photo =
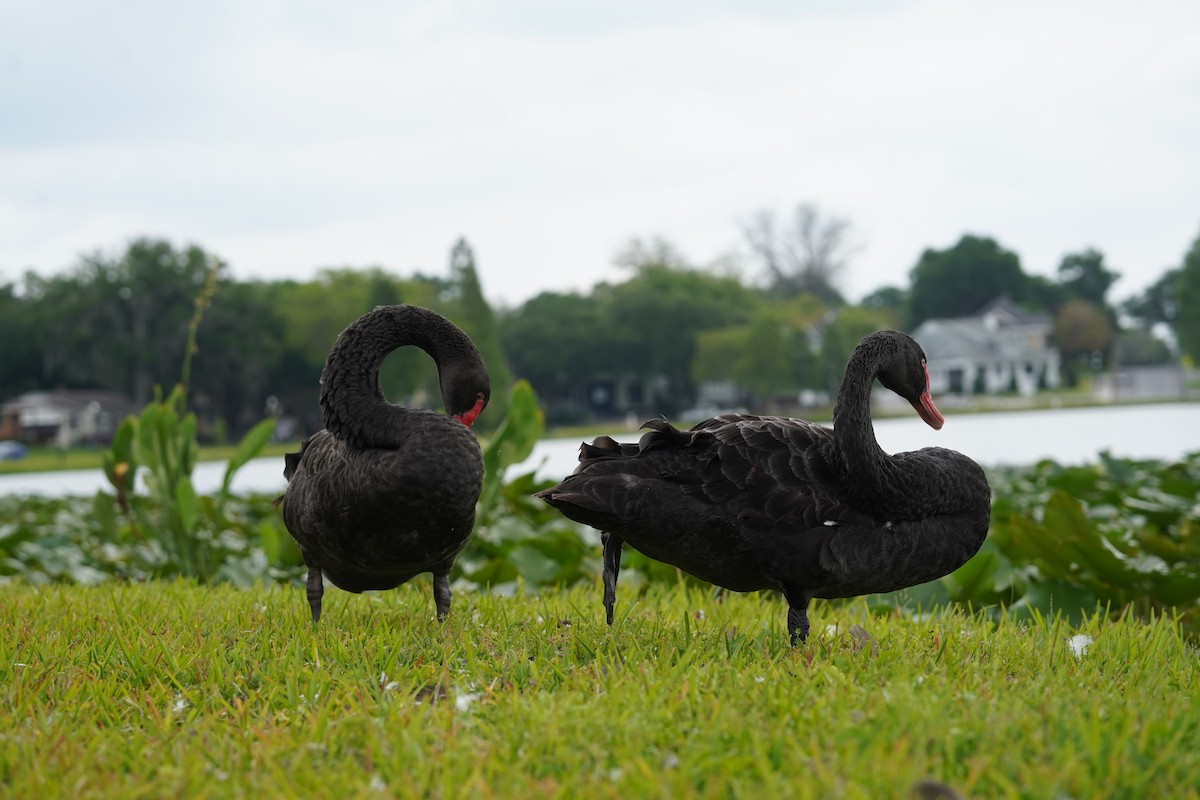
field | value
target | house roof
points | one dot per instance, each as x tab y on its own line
1005	312
1001	330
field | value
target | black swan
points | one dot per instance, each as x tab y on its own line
384	492
754	503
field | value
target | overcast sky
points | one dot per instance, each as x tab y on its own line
288	136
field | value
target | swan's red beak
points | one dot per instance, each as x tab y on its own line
469	416
928	411
925	407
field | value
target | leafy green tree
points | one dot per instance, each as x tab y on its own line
1082	331
21	335
476	317
718	353
889	298
1157	303
120	323
658	314
769	356
557	340
1084	275
1187	297
959	281
1044	294
841	336
1139	346
765	367
240	342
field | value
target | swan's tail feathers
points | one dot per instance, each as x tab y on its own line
606	447
578	500
290	462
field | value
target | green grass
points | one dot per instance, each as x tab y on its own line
167	689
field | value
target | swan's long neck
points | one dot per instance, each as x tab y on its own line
907	486
873	480
352	401
863	460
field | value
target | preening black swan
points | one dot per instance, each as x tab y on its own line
384	492
754	503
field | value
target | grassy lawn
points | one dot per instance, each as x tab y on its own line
167	689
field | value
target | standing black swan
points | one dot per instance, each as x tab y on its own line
386	492
753	503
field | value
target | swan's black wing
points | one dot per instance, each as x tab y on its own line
372	517
720	500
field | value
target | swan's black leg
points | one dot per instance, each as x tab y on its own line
315	588
441	594
797	617
612	567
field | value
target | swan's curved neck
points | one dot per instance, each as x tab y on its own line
905	486
863	459
353	405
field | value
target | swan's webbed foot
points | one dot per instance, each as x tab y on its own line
441	594
612	567
797	617
315	588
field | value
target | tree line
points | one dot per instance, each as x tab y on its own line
120	323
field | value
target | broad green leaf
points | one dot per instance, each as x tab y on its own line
1050	597
1065	518
185	497
534	566
185	436
249	447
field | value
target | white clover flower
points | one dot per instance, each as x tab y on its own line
462	702
1079	644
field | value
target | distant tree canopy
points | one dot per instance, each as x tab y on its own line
1157	303
1082	329
889	298
958	281
645	327
120	322
473	314
1084	276
1187	300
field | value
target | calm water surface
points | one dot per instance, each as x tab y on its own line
1066	435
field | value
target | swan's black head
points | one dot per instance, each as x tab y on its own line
903	370
465	390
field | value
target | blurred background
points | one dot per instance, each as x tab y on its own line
672	208
661	208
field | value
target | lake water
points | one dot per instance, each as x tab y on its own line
1069	436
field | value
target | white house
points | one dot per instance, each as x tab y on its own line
63	418
1000	349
